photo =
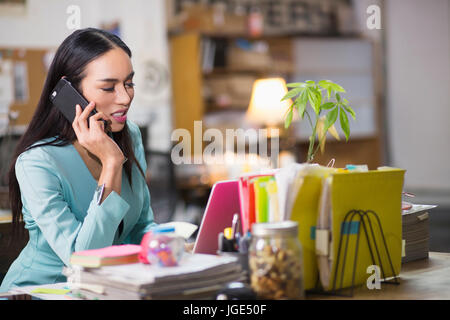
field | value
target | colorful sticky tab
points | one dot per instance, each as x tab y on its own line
51	291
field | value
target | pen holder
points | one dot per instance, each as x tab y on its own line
242	258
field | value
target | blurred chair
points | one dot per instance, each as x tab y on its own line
160	177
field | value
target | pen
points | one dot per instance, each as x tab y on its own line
236	242
244	243
234	225
220	242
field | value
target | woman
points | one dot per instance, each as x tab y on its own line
76	187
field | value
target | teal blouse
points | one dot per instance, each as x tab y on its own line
61	212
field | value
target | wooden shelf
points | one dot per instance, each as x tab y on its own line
190	103
231	35
221	71
211	108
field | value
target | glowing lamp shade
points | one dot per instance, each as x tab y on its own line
265	106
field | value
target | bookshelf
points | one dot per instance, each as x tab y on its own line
206	67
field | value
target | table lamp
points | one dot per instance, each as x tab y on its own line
266	109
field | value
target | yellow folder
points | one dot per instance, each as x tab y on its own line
379	191
308	182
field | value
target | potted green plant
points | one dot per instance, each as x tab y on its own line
323	96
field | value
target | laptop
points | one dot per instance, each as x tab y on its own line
222	204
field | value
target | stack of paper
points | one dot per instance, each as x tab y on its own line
415	232
197	276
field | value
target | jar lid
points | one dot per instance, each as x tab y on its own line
275	228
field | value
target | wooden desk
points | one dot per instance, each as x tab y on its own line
427	279
419	280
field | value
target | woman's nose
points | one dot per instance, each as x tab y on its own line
123	97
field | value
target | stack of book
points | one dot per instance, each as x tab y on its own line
415	232
198	276
112	255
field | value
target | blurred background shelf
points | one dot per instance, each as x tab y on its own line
221	79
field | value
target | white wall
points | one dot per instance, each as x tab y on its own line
418	84
143	29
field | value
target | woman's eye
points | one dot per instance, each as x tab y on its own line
130	84
108	89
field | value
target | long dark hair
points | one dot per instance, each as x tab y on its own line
70	60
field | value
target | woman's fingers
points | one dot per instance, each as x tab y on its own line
93	137
96	121
87	111
98	116
83	117
75	120
80	122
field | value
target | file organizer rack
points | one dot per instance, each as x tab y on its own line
373	248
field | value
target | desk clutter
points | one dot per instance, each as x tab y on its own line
197	276
415	229
286	232
348	219
158	268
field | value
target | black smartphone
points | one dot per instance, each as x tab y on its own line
65	97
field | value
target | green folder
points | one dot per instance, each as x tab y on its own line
261	198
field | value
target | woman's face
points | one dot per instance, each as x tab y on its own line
109	83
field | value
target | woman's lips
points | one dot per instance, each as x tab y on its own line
120	116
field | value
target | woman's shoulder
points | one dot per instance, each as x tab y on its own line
135	134
43	150
134	130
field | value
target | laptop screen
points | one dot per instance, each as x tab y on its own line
222	204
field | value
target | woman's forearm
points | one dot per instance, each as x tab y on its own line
111	176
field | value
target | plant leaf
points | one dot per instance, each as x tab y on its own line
288	120
325	84
338	97
327	105
350	110
301	102
312	97
321	133
292	93
318	97
295	84
336	87
331	118
344	124
332	130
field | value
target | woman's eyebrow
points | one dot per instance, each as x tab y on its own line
116	80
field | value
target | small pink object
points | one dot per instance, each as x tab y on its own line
111	251
144	248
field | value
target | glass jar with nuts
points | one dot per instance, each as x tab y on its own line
275	260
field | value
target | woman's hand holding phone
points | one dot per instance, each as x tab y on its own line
94	138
